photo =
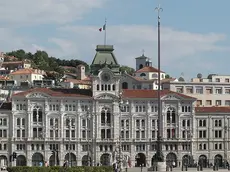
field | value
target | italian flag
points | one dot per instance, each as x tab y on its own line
102	28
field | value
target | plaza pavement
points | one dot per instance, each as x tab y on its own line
138	169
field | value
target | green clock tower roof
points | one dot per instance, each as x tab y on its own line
104	58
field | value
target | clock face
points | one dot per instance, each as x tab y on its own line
105	77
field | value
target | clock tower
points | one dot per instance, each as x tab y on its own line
105	72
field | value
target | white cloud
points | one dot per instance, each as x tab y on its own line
178	48
45	11
129	41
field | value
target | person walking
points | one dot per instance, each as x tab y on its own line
65	164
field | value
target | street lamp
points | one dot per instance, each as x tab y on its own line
121	105
43	136
159	157
89	117
225	150
69	125
55	152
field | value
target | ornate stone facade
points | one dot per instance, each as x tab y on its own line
85	126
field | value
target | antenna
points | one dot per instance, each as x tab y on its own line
143	52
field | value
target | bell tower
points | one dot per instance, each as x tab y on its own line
105	71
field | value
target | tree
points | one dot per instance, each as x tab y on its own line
167	76
128	69
52	65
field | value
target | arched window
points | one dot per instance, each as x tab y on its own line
171	115
188	123
220	123
200	123
183	123
124	85
140	66
103	117
168	116
18	121
154	75
204	123
37	114
142	74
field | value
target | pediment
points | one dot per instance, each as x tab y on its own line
37	95
171	97
106	97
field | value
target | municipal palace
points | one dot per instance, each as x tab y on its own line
87	126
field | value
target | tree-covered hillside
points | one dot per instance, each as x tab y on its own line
43	61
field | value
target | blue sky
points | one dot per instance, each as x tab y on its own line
195	34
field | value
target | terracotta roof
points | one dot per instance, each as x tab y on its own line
71	74
148	69
140	79
78	81
15	62
68	67
150	94
167	80
4	78
26	71
58	92
213	109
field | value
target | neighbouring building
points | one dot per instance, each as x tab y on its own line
211	91
26	75
14	65
85	126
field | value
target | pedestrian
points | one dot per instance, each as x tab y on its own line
46	164
40	164
65	164
115	168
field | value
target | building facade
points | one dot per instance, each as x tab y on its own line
211	91
86	127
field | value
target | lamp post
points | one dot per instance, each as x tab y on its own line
159	157
120	155
89	117
43	135
69	125
54	128
225	150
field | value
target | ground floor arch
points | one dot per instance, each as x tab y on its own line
171	159
21	160
37	159
140	160
71	158
52	160
203	161
218	160
105	159
3	160
187	160
86	160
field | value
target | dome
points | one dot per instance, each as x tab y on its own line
181	79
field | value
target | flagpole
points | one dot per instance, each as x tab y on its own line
105	33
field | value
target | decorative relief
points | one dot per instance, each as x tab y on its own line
106	97
37	95
170	97
168	107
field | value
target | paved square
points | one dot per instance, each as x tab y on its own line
137	169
